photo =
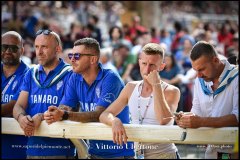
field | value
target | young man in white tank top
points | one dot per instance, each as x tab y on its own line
143	106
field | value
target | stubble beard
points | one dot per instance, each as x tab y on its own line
10	62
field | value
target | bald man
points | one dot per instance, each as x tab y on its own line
13	70
43	86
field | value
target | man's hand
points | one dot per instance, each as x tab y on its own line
47	117
189	121
26	123
37	119
178	116
53	114
119	133
153	77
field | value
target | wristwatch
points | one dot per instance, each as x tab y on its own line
65	115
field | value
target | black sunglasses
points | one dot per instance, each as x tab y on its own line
43	31
46	32
10	48
78	55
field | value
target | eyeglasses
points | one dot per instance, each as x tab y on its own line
10	48
46	32
78	55
43	31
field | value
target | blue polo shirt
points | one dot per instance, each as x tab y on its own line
102	92
13	145
43	92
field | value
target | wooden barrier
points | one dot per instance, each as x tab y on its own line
135	132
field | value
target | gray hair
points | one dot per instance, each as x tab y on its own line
57	38
15	34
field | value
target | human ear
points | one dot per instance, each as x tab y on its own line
162	66
58	49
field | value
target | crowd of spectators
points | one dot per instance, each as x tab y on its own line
101	20
200	7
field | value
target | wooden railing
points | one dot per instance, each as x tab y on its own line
135	132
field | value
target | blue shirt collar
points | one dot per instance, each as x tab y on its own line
59	66
100	73
21	68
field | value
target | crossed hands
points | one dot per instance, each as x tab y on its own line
53	114
29	124
119	133
189	120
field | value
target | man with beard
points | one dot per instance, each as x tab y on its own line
13	70
215	101
43	86
94	88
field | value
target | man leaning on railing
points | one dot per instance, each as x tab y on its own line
215	101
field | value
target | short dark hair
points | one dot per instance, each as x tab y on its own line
119	30
89	43
202	48
122	45
153	49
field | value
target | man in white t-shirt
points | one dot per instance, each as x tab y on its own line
151	101
215	101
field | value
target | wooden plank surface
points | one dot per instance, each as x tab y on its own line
135	132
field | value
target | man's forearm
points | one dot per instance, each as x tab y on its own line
161	107
84	116
17	111
224	121
7	109
107	118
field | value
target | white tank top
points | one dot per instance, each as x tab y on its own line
149	117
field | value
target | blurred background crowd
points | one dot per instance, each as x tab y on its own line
123	27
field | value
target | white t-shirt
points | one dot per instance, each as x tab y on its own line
150	118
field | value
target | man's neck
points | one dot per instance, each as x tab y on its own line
9	70
219	72
47	69
146	89
91	75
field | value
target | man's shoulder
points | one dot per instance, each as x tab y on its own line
73	76
172	89
110	75
131	85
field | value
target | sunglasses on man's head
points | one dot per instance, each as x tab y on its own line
46	32
43	31
77	56
10	48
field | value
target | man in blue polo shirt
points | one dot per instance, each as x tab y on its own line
94	88
43	86
13	70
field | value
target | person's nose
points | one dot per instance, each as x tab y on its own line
148	69
72	59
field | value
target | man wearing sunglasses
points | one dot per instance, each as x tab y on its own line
13	70
94	88
43	86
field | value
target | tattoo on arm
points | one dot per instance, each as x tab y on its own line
64	107
92	116
17	111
